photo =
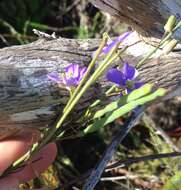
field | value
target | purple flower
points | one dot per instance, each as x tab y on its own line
126	78
54	77
119	39
72	76
113	43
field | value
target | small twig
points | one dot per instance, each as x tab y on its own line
142	181
12	30
124	163
115	178
147	119
69	8
75	188
45	35
4	40
129	161
24	37
97	172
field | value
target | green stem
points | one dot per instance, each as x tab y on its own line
164	39
12	30
108	60
111	89
140	63
89	69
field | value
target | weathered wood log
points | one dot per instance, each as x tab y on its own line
147	17
29	99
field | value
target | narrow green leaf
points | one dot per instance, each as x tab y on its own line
144	90
110	107
140	92
111	116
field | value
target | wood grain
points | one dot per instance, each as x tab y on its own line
29	99
147	17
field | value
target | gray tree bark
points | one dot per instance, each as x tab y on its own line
29	99
147	17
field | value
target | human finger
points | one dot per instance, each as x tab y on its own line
13	148
39	163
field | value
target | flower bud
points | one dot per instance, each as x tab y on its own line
170	24
170	46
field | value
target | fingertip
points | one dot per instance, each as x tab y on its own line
53	148
12	149
40	163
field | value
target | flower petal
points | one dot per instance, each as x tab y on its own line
138	85
122	37
72	71
129	71
54	77
75	70
73	75
109	46
71	82
69	69
116	76
135	86
119	39
128	90
64	79
82	72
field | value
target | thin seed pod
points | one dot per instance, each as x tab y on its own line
170	46
170	24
